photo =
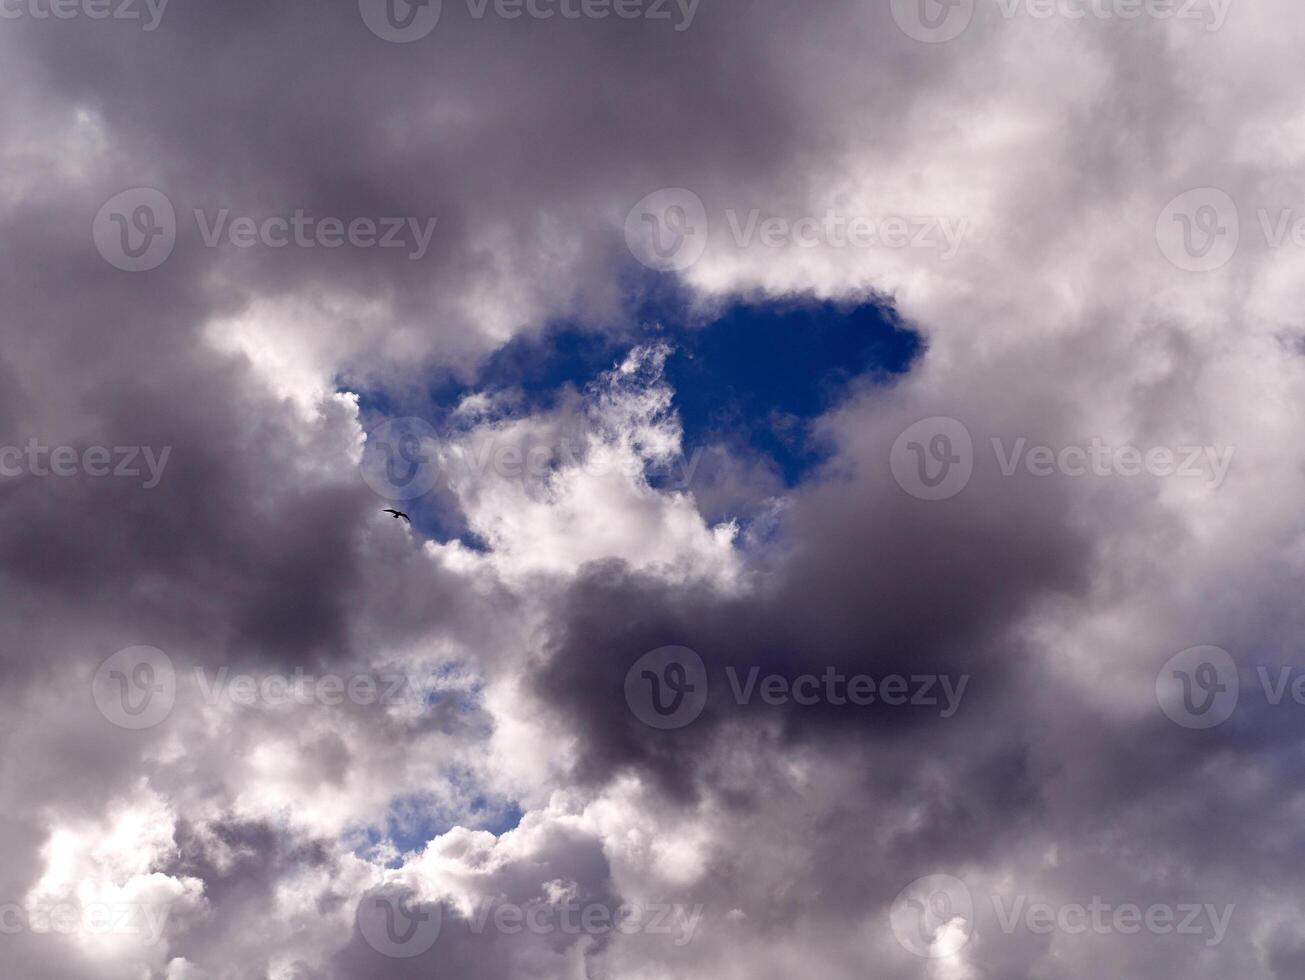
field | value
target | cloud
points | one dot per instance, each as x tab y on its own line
1036	169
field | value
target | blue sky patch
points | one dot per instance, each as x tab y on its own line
750	377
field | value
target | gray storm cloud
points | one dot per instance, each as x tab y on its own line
1127	277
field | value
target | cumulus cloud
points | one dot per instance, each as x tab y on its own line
356	729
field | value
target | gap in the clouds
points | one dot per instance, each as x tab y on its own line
749	376
752	375
760	373
415	820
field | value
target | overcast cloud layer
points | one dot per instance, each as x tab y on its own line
253	727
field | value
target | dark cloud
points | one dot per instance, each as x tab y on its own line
261	548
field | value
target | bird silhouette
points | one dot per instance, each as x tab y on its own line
397	514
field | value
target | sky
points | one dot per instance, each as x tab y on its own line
640	490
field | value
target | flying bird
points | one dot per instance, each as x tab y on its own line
397	514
